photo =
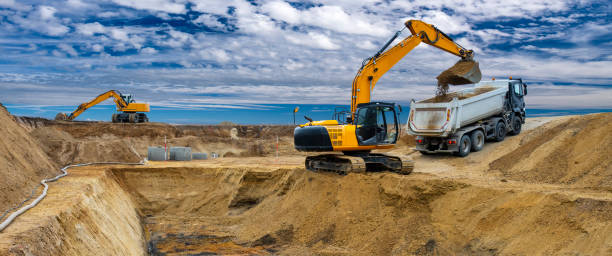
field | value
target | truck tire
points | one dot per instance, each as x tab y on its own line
465	145
500	131
478	140
516	126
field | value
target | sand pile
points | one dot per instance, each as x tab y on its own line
576	151
459	95
22	163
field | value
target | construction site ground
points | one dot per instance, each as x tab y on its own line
547	191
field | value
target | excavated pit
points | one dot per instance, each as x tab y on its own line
245	211
264	211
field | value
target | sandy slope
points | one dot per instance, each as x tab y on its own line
22	163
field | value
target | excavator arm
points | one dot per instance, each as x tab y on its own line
375	67
121	104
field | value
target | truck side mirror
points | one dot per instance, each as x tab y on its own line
400	108
524	89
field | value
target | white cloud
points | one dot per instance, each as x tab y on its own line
119	34
332	17
171	6
312	39
90	29
293	65
446	23
108	14
218	7
43	20
209	21
366	44
281	10
218	55
68	49
148	50
97	48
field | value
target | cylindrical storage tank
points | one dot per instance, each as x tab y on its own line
156	154
180	153
199	156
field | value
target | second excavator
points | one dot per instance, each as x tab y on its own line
374	125
131	111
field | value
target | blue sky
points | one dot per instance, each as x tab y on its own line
236	56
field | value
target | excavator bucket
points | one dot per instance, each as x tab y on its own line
463	72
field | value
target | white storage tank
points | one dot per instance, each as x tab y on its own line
180	153
156	154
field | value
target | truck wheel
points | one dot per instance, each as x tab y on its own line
500	131
478	140
465	144
516	126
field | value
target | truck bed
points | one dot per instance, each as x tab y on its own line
443	115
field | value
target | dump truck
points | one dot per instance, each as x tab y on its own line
460	122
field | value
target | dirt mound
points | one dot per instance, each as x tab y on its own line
22	163
447	97
65	149
576	151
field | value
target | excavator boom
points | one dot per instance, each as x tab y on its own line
375	67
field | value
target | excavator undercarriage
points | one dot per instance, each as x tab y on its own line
359	162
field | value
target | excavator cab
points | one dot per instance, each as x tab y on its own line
376	124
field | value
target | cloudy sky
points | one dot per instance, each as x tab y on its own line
238	54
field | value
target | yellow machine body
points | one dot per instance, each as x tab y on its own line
344	137
135	107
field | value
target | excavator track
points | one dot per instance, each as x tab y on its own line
340	164
344	164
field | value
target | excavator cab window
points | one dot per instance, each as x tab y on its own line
376	125
127	98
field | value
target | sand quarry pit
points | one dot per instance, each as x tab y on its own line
554	199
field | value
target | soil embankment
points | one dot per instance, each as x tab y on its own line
79	142
22	163
575	152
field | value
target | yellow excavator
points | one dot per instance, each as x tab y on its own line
374	125
131	111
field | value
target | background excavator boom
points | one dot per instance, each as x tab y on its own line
119	101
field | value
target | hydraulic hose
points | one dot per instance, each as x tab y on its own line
14	215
